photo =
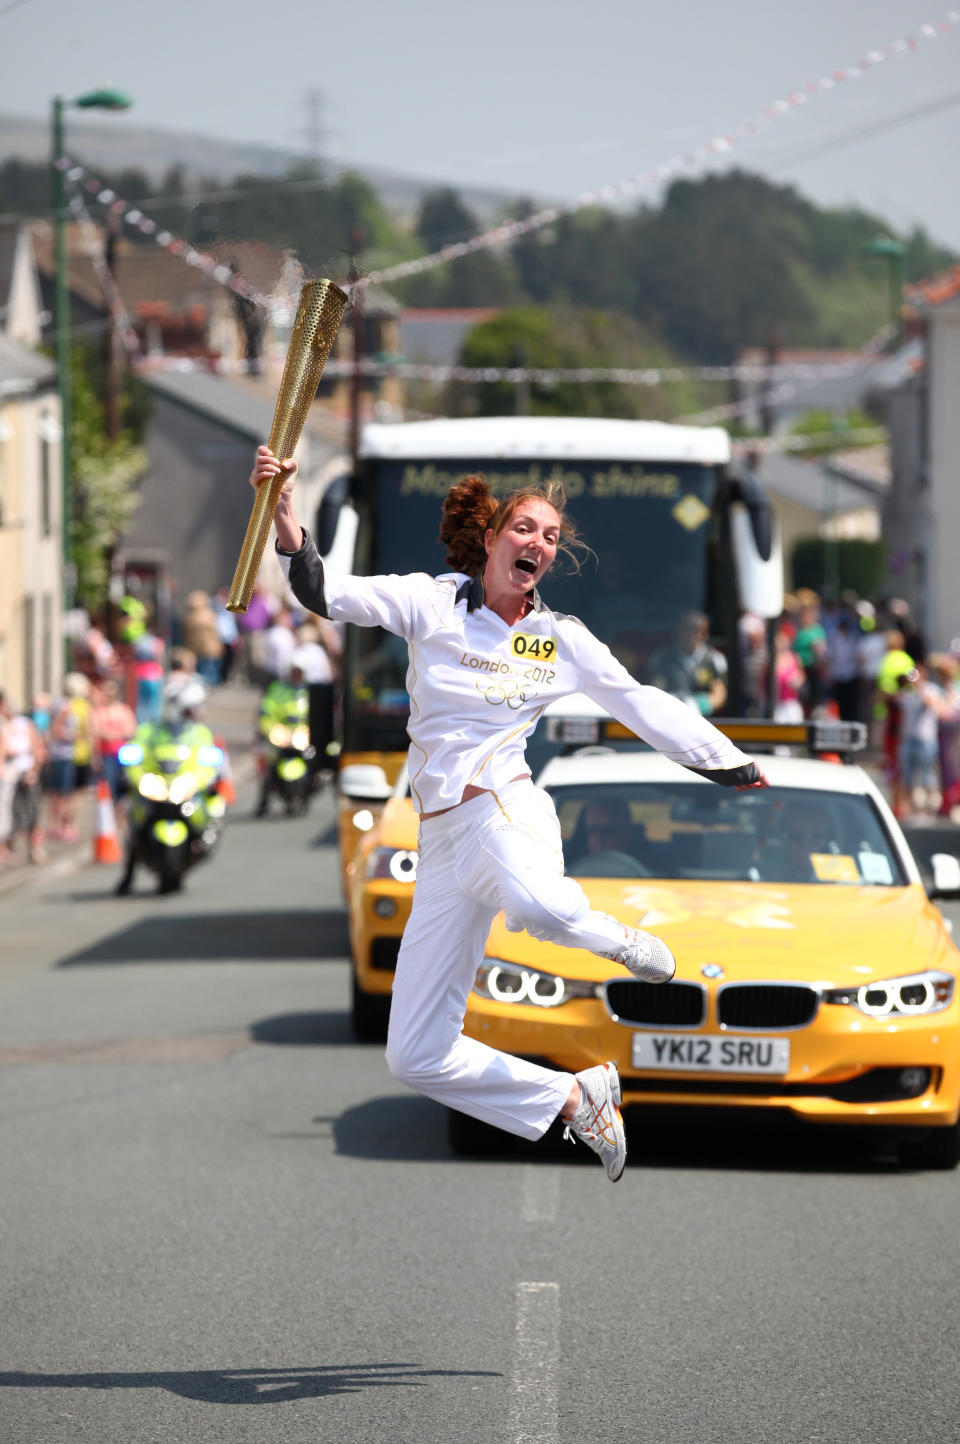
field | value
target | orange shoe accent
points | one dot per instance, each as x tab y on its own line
106	843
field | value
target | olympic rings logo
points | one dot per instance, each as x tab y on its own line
496	693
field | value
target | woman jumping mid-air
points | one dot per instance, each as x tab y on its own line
489	839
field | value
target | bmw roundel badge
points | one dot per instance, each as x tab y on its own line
712	970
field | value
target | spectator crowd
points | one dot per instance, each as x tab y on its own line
865	662
53	749
855	660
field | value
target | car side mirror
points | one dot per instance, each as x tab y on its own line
366	781
946	875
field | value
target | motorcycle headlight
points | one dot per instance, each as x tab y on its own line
182	787
928	992
509	983
279	735
300	738
392	862
152	787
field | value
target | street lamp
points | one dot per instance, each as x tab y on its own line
894	252
103	99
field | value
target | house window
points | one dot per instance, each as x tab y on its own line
46	514
29	671
46	645
6	432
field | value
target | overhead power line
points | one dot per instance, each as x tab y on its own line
831	145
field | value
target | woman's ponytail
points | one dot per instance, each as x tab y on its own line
467	513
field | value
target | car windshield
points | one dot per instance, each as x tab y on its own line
702	832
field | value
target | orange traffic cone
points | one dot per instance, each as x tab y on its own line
106	843
225	784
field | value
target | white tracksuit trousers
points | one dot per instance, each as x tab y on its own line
499	850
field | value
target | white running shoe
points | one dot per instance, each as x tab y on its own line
597	1122
648	958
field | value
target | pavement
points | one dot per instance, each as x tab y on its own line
231	713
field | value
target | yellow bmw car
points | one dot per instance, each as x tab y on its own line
814	972
378	828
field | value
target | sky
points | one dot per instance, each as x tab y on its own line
540	97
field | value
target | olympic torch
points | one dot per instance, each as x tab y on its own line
319	314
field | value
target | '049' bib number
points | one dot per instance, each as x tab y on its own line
542	649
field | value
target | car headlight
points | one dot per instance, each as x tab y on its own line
909	996
182	787
392	862
153	787
279	735
509	983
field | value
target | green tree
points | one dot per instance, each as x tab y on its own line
569	338
829	432
444	218
106	472
852	563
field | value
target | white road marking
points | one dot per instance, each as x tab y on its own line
534	1405
540	1193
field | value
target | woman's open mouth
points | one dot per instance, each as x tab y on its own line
526	564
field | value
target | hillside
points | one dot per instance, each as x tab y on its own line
114	145
726	261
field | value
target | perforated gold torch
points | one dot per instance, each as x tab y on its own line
319	314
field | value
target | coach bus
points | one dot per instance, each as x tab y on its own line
674	526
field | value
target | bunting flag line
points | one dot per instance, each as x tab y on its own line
92	238
509	231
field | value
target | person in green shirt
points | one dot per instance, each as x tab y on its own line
810	645
896	664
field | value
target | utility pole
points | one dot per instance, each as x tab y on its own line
893	252
104	99
114	360
62	316
521	395
357	240
768	414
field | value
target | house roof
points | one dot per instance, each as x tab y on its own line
244	404
809	484
22	370
8	253
433	337
865	466
148	274
837	381
935	290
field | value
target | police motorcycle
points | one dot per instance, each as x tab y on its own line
288	757
172	768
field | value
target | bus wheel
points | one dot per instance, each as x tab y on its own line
369	1013
470	1138
937	1148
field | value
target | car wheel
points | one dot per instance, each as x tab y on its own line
369	1013
937	1148
470	1138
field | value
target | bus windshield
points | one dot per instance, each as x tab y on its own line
648	525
